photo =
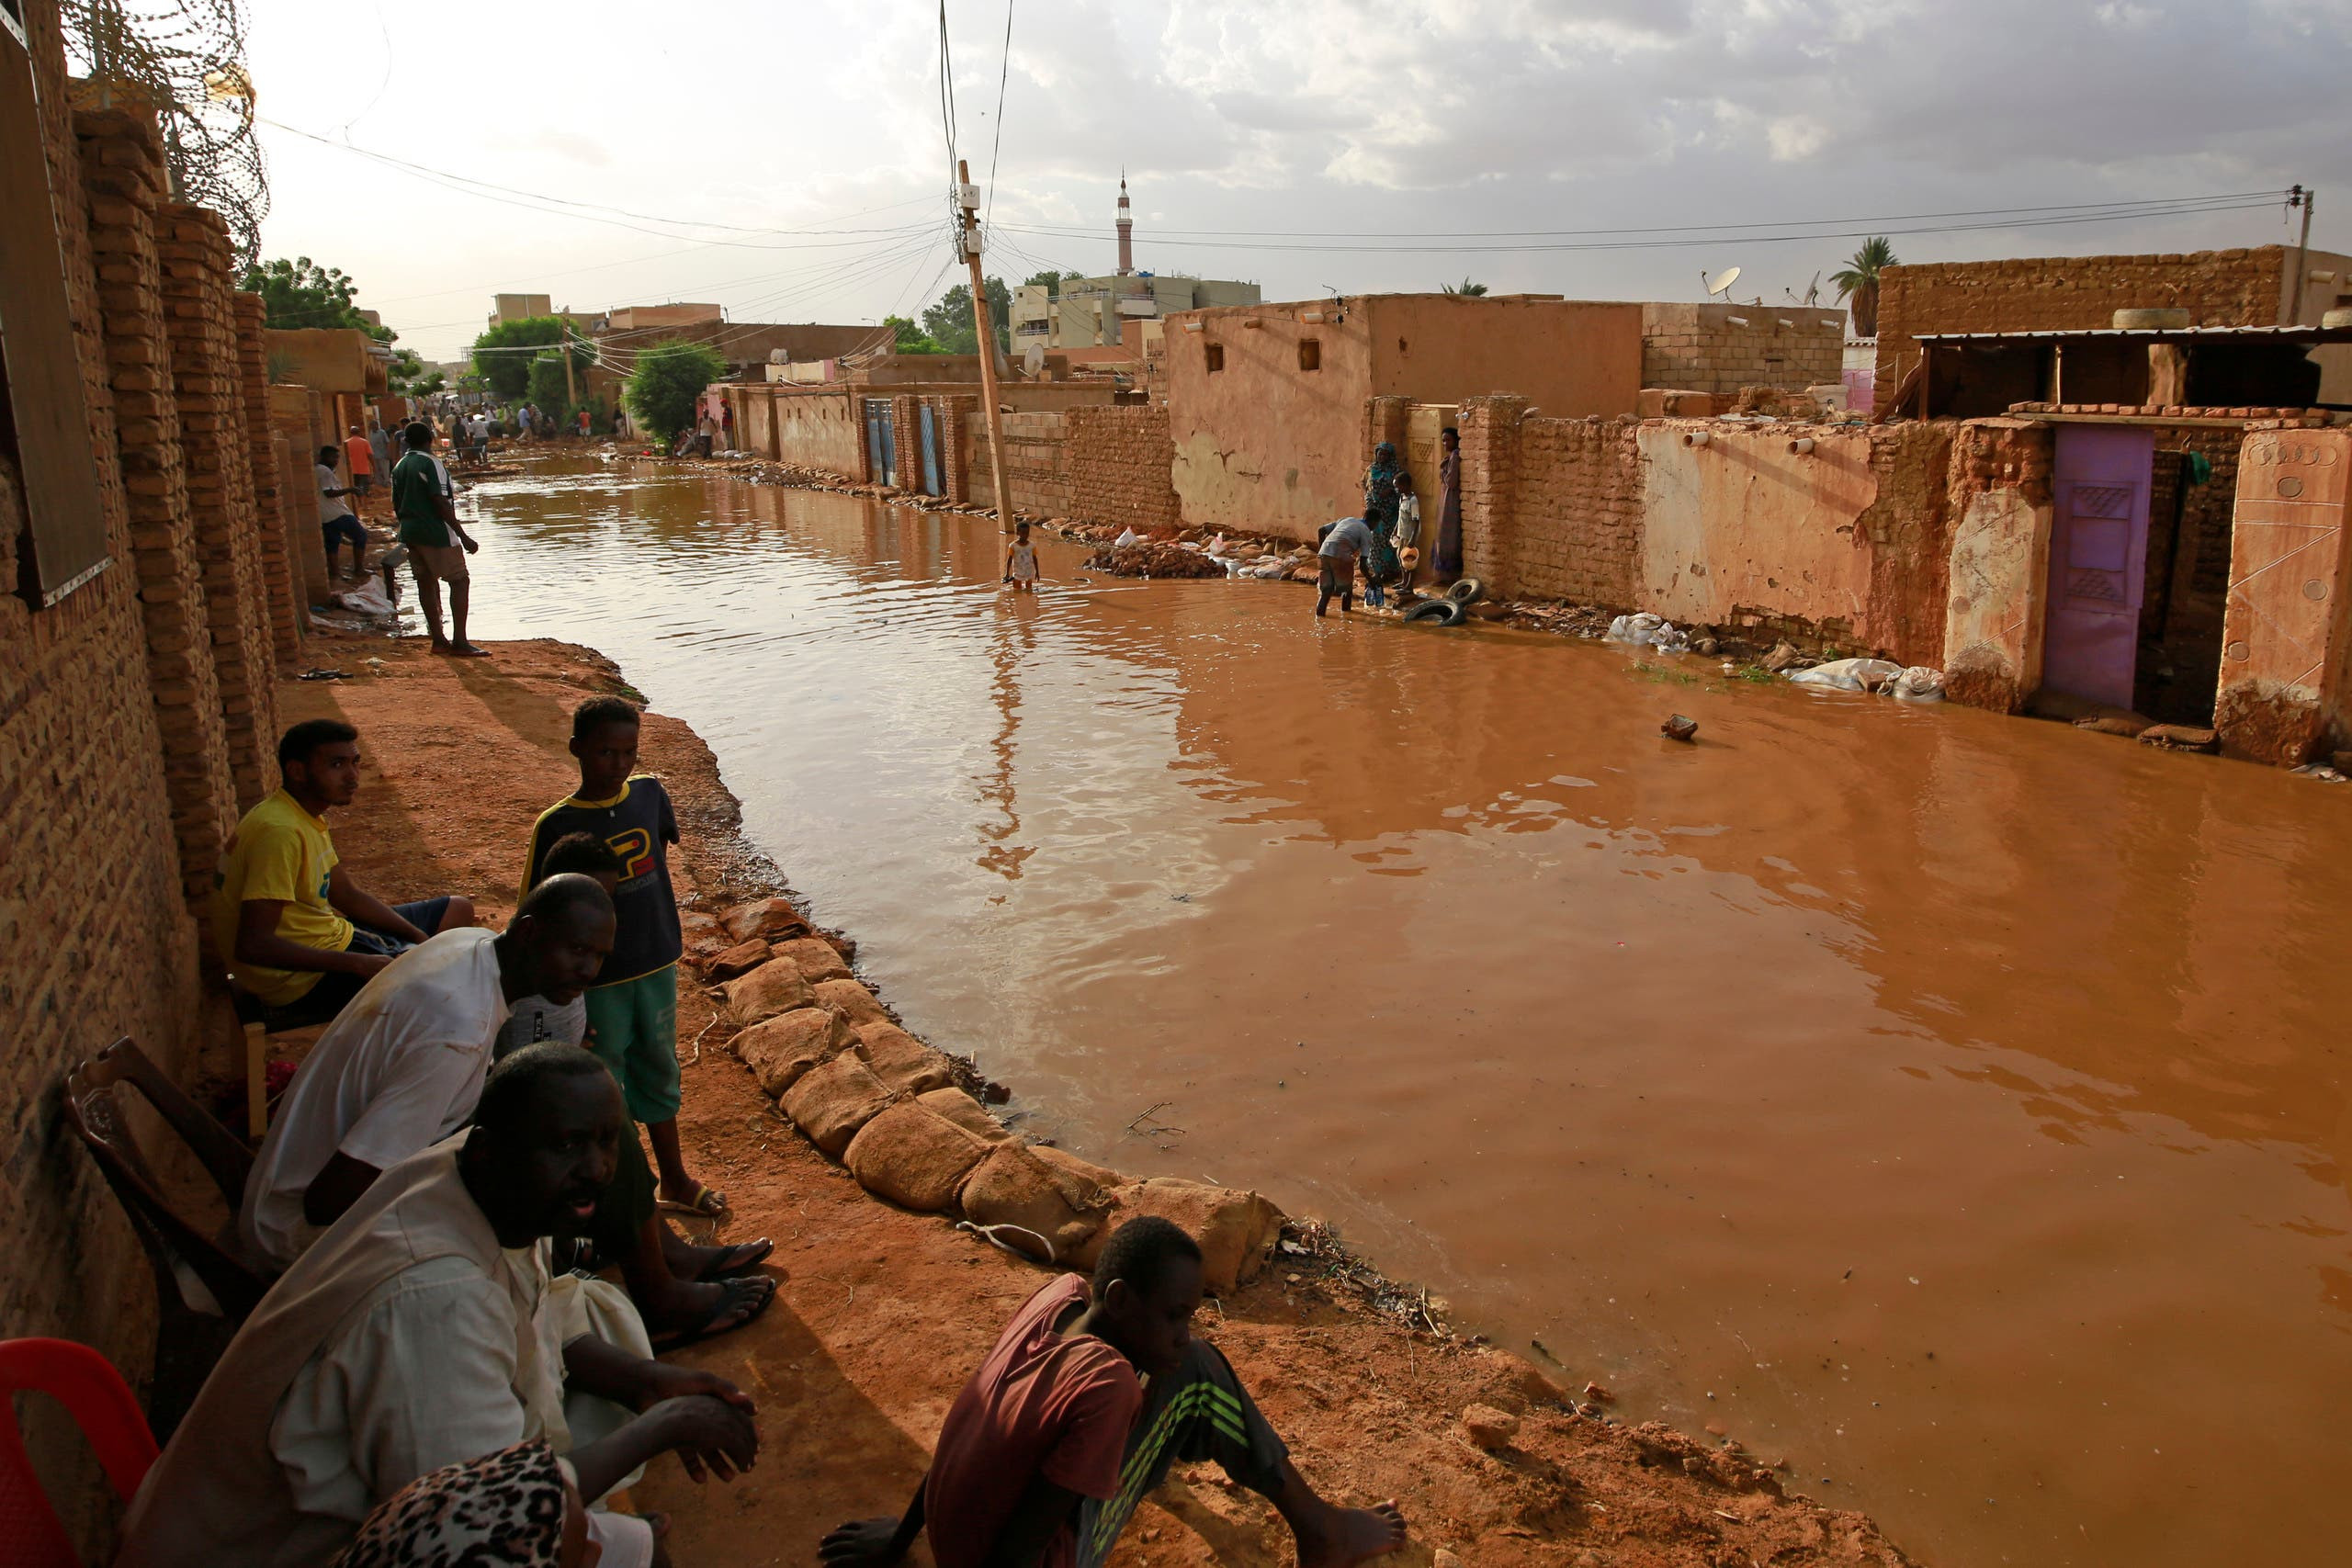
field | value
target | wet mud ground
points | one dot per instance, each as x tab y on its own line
1952	1104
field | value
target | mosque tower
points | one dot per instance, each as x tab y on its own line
1126	232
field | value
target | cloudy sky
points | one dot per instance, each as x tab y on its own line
788	159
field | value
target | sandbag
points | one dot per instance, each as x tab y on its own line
738	961
1850	675
1055	1213
765	992
765	919
814	957
780	1049
1237	1231
1085	1170
903	1062
965	1112
850	999
1646	630
1918	685
914	1157
834	1099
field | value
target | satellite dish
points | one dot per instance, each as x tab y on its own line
1718	286
1033	359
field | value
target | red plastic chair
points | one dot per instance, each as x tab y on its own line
101	1405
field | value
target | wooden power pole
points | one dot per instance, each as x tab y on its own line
571	391
2303	198
965	193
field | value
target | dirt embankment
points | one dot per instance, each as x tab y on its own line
883	1313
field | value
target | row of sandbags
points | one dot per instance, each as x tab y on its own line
874	1097
1883	677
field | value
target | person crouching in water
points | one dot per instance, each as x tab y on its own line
1056	1438
1021	561
1335	559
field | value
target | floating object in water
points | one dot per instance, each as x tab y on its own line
1678	727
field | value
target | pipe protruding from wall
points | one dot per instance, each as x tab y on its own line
1697	437
1800	446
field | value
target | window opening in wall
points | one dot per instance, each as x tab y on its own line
44	414
1216	357
1310	353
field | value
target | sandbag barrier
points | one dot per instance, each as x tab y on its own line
902	1118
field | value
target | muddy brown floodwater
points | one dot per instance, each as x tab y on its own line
1953	1104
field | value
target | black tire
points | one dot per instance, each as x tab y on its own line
1445	611
1469	591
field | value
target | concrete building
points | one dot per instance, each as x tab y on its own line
1266	402
1092	312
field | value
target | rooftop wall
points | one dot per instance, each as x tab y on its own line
2219	289
1720	348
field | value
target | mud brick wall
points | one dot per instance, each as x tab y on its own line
1119	461
123	178
1720	348
95	942
1036	462
2219	289
1551	508
271	482
194	246
2187	582
1908	531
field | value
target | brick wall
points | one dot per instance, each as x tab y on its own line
1119	464
1720	348
2219	289
95	940
271	483
1551	508
194	246
1036	462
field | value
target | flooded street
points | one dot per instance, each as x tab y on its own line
1952	1104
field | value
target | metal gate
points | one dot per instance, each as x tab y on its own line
881	442
929	421
2098	551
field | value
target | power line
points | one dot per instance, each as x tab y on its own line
997	145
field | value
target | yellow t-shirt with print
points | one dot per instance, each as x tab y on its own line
280	853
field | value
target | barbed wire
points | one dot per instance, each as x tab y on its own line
185	59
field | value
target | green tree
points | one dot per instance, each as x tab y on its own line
668	378
432	383
1051	279
949	322
1469	289
547	386
908	338
406	367
301	293
508	374
1858	282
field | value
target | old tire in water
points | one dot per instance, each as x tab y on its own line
1469	591
1443	612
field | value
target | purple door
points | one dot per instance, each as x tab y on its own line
2099	552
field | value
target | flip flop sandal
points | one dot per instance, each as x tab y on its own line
708	1201
733	1296
727	1265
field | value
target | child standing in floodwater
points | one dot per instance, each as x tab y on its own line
1021	561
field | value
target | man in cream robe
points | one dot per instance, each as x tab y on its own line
421	1330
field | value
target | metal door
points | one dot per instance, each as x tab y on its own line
931	485
881	444
2099	552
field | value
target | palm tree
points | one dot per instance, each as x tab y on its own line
1469	287
1859	282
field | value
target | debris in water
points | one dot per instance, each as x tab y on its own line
1678	727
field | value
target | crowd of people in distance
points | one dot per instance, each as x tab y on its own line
447	1370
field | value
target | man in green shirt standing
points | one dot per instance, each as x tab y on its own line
437	544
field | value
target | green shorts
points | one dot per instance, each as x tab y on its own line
633	1027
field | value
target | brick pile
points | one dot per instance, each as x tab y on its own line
1119	463
1720	348
194	246
1551	508
2219	289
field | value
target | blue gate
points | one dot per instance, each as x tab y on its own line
881	442
931	485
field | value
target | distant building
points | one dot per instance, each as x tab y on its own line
1091	313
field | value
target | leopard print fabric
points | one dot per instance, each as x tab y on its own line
503	1510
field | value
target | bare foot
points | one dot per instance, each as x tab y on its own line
1344	1536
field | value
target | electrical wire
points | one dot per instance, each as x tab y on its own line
1005	75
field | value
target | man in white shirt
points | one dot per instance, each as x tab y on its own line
423	1331
335	519
402	1064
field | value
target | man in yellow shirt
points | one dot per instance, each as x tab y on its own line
296	931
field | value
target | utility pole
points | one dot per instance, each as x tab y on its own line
571	391
967	195
2299	196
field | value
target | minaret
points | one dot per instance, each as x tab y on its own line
1126	232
